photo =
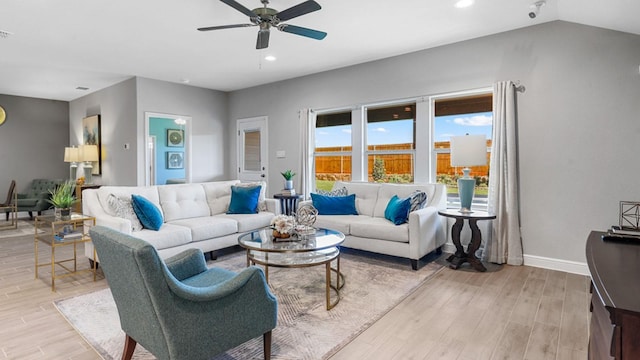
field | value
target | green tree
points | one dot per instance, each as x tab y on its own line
379	173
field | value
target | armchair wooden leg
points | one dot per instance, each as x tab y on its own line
266	338
129	347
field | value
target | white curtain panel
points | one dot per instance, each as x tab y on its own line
307	142
506	243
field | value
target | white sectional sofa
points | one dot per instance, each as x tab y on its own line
371	231
194	215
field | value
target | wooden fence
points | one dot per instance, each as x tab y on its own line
394	164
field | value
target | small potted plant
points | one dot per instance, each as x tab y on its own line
288	177
62	198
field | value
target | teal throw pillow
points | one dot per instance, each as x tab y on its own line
244	200
397	210
334	205
148	214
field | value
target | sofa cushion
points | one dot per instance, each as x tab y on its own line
341	223
183	201
149	214
218	195
170	236
262	205
248	222
335	192
208	227
380	228
387	191
244	200
418	200
334	205
366	196
397	210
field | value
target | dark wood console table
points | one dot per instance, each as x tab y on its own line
615	299
461	256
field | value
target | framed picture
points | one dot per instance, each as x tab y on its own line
91	136
175	138
175	160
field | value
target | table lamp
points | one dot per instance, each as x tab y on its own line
88	154
467	150
72	155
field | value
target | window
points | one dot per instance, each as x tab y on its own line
390	143
333	149
460	115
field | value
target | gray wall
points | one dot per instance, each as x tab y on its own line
210	150
578	119
32	141
122	109
117	108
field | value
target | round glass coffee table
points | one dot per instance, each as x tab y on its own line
319	248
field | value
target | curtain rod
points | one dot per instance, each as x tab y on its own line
518	87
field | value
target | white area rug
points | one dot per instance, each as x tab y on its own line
305	330
24	228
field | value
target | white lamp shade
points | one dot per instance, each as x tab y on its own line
468	150
71	154
89	153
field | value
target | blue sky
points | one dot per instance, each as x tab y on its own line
398	132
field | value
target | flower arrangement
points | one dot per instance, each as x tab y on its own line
282	224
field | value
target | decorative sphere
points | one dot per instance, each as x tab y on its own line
306	215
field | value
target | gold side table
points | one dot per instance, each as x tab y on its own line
57	233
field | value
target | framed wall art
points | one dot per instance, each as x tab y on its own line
175	160
91	136
175	138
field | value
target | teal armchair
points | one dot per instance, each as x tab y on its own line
178	308
34	199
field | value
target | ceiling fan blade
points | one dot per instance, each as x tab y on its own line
234	4
298	30
263	39
298	10
209	28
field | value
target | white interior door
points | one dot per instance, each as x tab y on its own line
252	149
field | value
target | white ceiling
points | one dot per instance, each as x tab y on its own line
57	46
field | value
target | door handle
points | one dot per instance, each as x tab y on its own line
262	175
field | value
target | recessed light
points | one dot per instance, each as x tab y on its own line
464	3
270	58
5	34
185	81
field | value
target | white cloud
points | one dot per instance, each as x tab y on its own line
380	129
348	131
477	120
322	133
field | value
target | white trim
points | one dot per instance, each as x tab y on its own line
572	267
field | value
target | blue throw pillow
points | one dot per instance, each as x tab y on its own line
244	200
397	210
335	205
149	214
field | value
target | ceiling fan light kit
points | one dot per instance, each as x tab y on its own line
266	18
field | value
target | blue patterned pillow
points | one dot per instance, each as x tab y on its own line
149	214
418	200
397	210
244	200
335	205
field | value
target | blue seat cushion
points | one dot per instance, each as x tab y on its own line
397	210
335	205
148	214
244	200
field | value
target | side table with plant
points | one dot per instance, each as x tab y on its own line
288	177
63	198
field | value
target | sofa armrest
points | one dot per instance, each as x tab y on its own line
273	205
426	232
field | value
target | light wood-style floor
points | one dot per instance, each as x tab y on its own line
506	313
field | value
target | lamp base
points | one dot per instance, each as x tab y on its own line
466	188
88	176
73	171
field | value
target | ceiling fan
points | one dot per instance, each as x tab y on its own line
266	17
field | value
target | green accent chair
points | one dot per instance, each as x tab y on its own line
178	308
35	198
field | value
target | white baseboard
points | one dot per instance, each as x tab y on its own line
572	267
